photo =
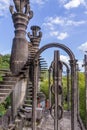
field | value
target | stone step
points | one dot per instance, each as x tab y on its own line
28	101
22	71
9	78
30	84
29	90
27	105
17	121
5	90
3	94
1	98
29	96
27	64
29	87
5	86
8	82
21	115
25	110
11	126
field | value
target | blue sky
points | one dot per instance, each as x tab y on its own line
62	21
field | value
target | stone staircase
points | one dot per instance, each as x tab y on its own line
25	111
7	85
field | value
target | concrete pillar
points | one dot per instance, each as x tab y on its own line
68	91
19	54
35	37
35	84
17	96
49	79
85	64
57	88
73	95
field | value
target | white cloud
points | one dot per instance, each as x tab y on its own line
62	36
62	21
85	12
39	2
75	4
54	25
64	59
56	20
72	4
80	63
48	25
83	47
62	1
54	33
75	23
4	7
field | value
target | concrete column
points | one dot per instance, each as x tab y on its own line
35	84
85	64
17	96
35	38
56	110
68	91
57	88
19	54
73	95
49	79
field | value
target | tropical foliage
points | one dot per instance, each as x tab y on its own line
4	64
81	87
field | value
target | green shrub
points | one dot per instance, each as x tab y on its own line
2	109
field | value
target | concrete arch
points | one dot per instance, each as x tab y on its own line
65	65
73	82
58	45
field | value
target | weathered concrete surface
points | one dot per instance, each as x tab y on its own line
47	123
64	124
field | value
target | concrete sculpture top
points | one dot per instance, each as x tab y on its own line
36	34
21	16
23	7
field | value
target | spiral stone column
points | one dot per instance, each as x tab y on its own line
21	17
35	37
